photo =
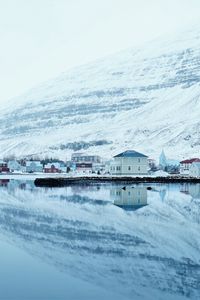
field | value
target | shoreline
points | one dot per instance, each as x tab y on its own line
65	181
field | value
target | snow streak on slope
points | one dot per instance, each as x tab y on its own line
145	98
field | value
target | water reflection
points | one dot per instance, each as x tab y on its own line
191	189
150	253
129	198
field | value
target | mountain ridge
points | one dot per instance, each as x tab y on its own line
145	99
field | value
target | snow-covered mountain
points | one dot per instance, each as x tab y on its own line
145	98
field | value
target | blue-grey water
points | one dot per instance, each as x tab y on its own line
99	242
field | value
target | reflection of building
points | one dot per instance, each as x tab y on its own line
191	189
162	194
130	198
4	182
129	163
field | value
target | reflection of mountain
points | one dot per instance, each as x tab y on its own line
142	252
129	198
17	184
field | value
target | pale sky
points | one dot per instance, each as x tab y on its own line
42	38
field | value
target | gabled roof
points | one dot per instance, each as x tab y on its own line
130	153
190	161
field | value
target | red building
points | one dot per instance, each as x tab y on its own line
4	167
186	164
52	168
84	167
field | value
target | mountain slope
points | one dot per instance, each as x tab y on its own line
146	99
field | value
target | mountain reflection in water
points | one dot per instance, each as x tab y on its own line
147	253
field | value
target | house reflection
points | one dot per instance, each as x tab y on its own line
191	189
4	182
129	198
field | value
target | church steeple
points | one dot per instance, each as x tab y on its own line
162	159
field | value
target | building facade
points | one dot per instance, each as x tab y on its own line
186	164
194	170
4	166
129	162
84	158
52	168
84	167
33	166
14	165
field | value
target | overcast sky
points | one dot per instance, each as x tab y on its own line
42	38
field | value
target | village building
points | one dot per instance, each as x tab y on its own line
194	170
129	162
82	157
84	167
33	166
186	164
4	166
53	168
63	166
168	165
152	164
14	165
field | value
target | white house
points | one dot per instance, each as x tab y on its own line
129	162
14	165
185	165
33	166
194	170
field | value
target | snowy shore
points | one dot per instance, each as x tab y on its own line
62	181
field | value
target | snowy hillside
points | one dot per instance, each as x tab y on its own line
146	99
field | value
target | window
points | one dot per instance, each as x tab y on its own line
138	168
138	159
129	168
118	168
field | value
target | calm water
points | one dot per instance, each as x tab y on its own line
99	242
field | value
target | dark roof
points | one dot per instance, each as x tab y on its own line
130	153
190	161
